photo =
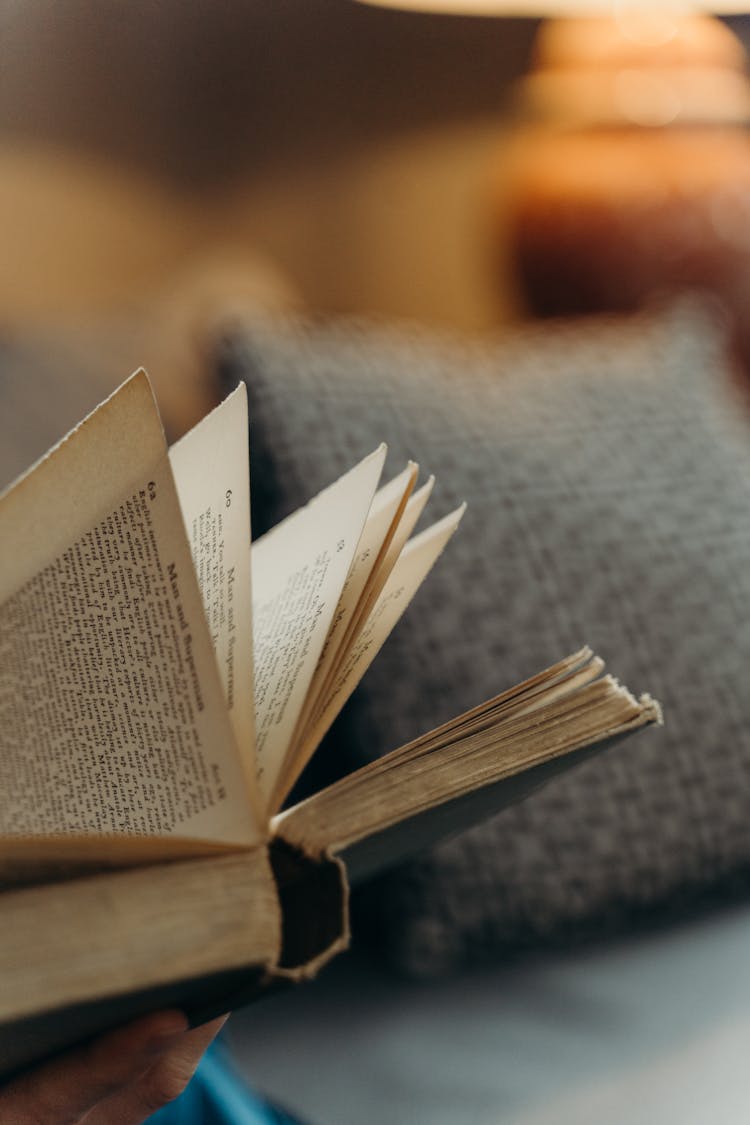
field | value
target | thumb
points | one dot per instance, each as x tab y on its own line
64	1090
161	1083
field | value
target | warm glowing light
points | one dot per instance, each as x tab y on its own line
657	15
649	27
646	99
689	70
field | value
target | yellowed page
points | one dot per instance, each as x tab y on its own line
382	522
299	570
414	508
112	716
406	524
415	563
466	769
211	470
47	859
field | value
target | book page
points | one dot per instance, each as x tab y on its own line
112	716
371	853
415	563
382	522
211	470
406	524
474	765
414	509
299	569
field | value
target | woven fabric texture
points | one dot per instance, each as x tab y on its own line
607	469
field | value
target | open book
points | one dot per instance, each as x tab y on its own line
162	686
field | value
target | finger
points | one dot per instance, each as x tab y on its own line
63	1090
161	1083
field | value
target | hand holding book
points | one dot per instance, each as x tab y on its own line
162	686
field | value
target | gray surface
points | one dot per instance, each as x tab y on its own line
607	468
654	1030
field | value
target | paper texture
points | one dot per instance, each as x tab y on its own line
112	716
415	563
298	570
383	521
211	470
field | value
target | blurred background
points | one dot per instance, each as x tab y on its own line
165	166
350	146
351	158
348	157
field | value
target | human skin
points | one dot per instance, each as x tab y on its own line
118	1079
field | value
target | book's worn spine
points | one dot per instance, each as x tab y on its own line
313	894
314	899
234	929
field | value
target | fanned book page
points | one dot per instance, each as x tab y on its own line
299	569
474	765
409	572
383	519
210	466
159	679
112	714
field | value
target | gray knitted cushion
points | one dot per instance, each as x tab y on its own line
607	470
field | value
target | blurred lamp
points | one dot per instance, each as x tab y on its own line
631	171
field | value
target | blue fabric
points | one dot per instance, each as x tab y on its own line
218	1096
